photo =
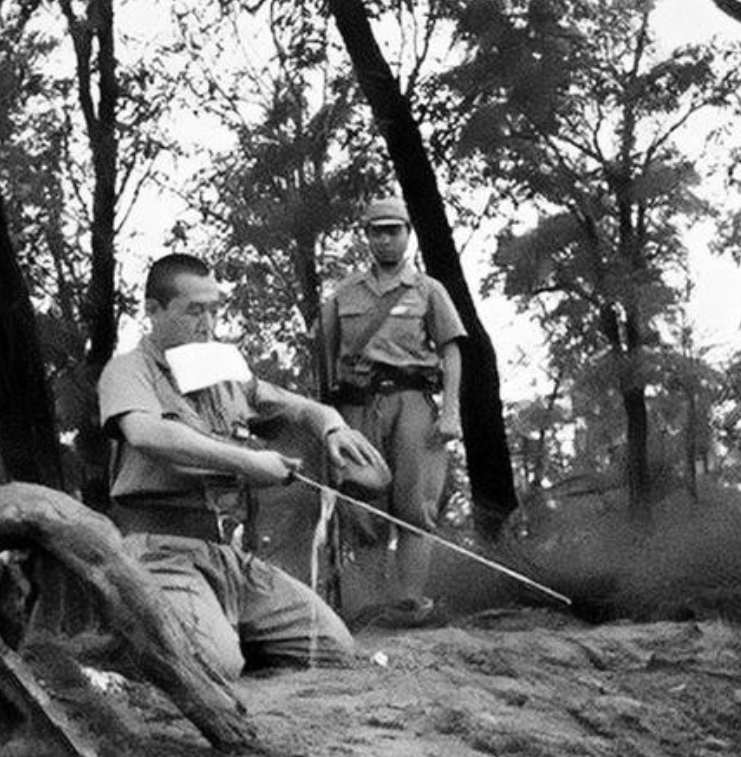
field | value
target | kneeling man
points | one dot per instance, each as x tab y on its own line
242	612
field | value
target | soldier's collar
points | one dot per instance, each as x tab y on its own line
154	352
407	276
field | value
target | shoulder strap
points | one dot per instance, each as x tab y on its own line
385	305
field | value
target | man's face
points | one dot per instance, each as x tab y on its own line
388	242
190	316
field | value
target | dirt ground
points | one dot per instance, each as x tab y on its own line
520	683
533	683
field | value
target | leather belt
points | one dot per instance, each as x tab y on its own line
385	381
169	514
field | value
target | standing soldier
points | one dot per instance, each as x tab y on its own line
392	340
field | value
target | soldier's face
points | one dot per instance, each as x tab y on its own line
190	316
388	242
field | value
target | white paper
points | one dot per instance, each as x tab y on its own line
201	364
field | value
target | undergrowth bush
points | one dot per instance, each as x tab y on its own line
685	563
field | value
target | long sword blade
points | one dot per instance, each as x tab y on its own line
434	537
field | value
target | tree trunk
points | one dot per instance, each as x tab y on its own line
98	310
28	442
731	8
690	442
636	414
308	277
487	451
48	703
634	402
97	27
90	546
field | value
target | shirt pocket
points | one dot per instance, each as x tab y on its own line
408	308
406	319
354	318
352	309
405	331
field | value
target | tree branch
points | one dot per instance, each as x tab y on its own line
731	8
82	39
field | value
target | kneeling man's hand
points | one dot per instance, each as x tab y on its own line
269	468
356	458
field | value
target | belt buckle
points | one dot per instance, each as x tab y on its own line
386	386
230	530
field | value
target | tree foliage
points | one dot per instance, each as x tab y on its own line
572	106
299	163
77	144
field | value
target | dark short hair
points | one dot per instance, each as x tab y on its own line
160	285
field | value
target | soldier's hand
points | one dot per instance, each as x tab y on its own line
347	445
270	468
448	427
357	460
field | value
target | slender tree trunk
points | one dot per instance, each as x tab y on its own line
634	402
93	40
28	442
541	446
103	143
636	415
487	451
690	442
308	277
96	30
631	244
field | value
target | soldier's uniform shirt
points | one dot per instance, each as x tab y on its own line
239	608
141	380
419	324
400	424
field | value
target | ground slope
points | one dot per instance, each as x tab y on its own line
529	683
515	684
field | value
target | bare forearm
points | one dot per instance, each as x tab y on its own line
451	359
178	445
319	419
